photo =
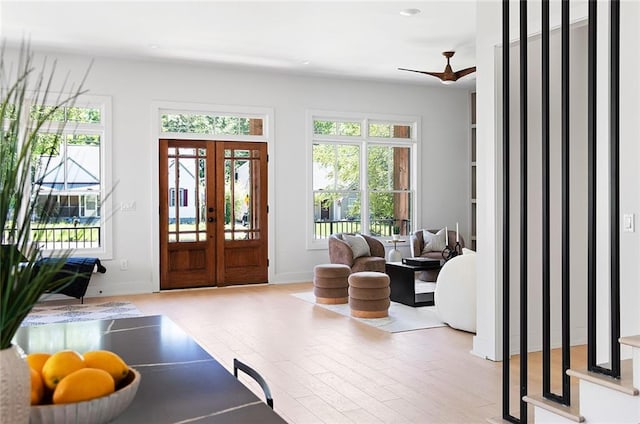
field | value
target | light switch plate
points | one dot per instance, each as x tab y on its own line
628	224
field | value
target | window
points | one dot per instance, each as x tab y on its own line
69	169
211	124
184	202
362	175
183	197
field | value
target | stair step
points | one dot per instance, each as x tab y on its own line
569	412
623	385
633	341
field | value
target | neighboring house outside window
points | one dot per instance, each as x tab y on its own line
362	174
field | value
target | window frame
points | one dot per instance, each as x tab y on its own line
364	141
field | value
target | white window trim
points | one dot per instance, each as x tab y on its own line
105	251
364	141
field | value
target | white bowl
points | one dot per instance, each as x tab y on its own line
96	411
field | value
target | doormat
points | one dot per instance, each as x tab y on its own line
401	317
44	314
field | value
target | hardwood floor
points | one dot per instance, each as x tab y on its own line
326	368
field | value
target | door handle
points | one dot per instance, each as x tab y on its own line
211	209
211	219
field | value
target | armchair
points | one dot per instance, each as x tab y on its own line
341	252
416	244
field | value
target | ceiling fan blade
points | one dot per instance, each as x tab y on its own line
434	74
462	72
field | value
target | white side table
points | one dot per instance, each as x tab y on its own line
394	254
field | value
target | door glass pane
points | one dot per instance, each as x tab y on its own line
201	196
187	236
186	151
186	196
171	207
185	204
241	173
242	188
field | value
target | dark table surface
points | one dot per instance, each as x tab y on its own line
180	381
424	264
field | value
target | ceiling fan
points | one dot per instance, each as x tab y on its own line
448	76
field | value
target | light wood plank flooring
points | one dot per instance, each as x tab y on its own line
326	368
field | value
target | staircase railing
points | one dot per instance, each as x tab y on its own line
614	189
564	397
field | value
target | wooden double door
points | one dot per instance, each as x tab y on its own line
213	213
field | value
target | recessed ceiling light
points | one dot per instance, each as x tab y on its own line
306	62
153	46
410	12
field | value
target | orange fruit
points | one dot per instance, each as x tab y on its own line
59	365
84	384
36	360
109	361
37	387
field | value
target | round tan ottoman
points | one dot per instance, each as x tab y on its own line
331	284
369	294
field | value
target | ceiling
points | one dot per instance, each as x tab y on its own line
352	39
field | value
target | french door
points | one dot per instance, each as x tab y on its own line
213	213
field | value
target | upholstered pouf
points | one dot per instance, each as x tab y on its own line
331	284
369	294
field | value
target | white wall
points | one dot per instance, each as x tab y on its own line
629	170
488	339
486	343
134	85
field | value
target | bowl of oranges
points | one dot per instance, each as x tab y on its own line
69	387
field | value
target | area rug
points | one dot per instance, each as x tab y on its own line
401	317
48	314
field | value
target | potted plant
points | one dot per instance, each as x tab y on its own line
25	107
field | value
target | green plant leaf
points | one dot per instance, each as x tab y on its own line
24	277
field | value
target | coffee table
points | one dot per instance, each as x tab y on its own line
402	281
